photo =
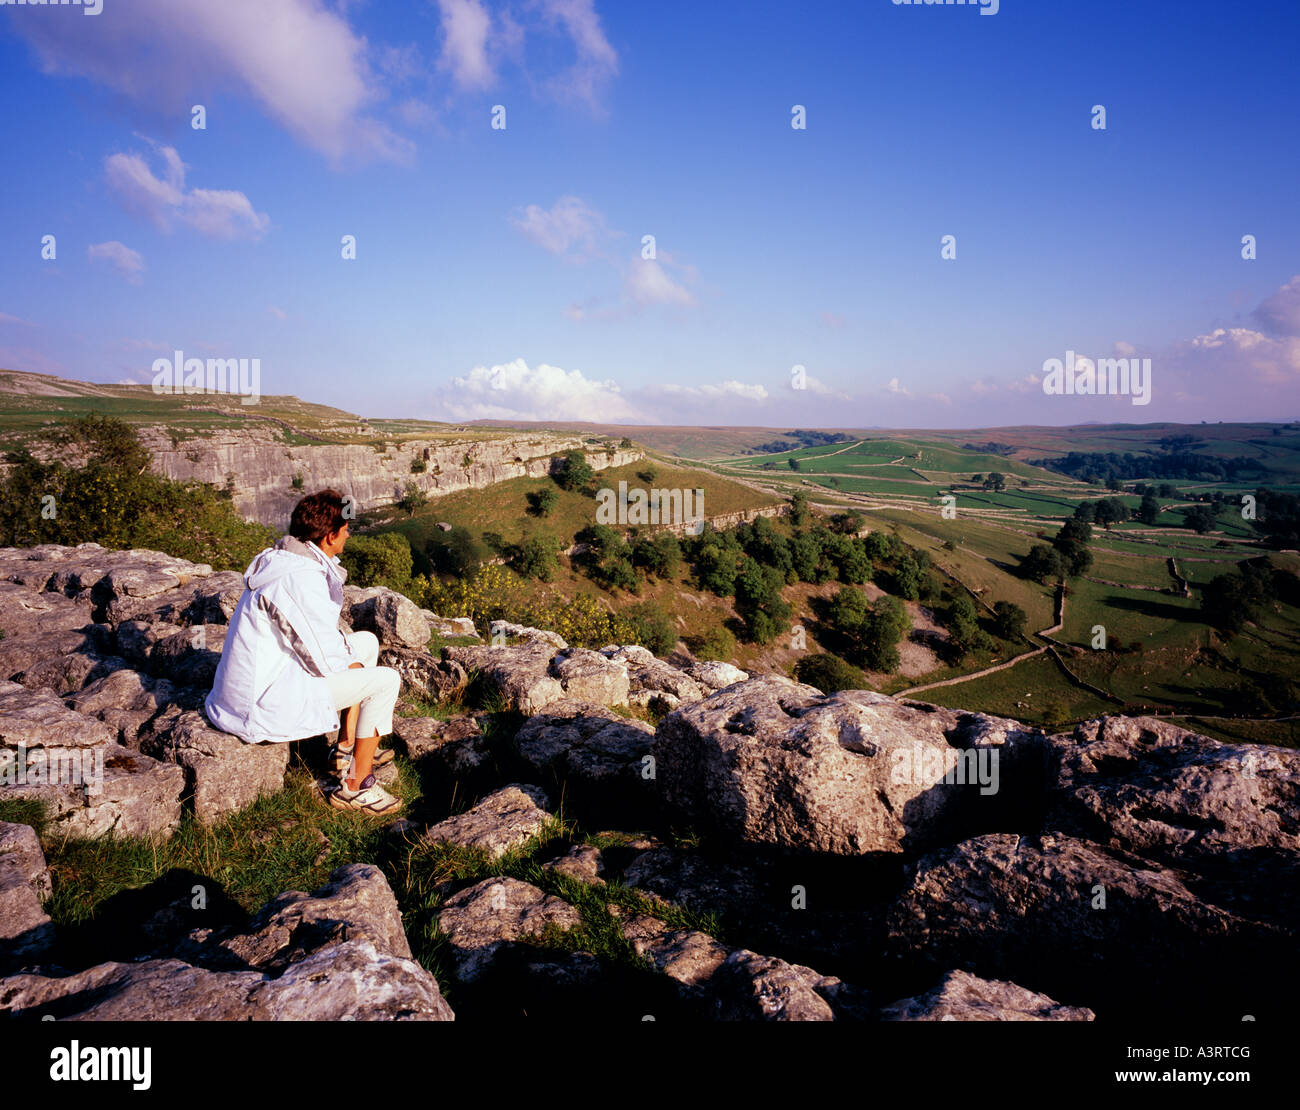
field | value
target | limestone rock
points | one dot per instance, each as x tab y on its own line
587	675
394	618
457	744
715	676
581	862
771	761
38	719
503	820
26	932
222	773
520	673
487	917
961	996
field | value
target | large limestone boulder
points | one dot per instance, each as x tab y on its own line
652	682
599	758
771	761
1062	915
222	773
961	996
1143	785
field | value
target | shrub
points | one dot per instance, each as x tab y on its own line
717	643
655	628
829	673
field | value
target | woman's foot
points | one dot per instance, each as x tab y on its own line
369	797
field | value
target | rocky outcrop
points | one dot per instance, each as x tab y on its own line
261	466
336	955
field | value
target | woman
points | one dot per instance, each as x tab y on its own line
286	669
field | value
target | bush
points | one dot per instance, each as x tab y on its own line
717	643
654	628
536	558
418	466
378	561
829	673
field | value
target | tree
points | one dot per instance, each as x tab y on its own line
1201	518
883	627
799	511
962	622
793	463
1111	510
412	498
456	552
1085	511
1042	563
1008	620
907	578
655	628
574	472
996	482
1149	510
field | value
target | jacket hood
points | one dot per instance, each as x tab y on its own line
284	558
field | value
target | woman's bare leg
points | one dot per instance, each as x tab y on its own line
348	729
365	752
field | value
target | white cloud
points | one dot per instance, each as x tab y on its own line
299	59
831	319
465	28
596	62
514	391
1280	314
569	224
727	390
896	387
646	283
220	213
277	312
5	318
122	258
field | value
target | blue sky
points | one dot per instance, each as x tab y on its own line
500	273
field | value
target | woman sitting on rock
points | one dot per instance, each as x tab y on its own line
286	669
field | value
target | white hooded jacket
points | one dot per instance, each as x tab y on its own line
283	639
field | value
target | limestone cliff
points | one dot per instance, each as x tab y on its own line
261	466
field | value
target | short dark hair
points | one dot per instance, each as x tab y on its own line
317	515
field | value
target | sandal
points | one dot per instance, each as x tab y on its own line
369	797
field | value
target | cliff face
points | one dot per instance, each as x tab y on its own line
263	466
